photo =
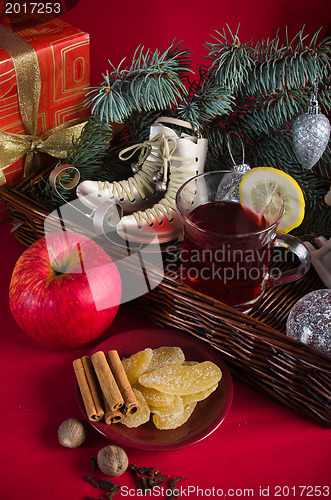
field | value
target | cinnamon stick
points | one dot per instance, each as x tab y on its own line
89	389
112	416
110	391
130	400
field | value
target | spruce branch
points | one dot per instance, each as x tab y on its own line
231	60
183	57
151	82
205	100
87	152
268	67
275	111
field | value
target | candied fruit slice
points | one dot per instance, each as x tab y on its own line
154	397
137	364
183	380
141	416
175	408
198	396
165	356
174	421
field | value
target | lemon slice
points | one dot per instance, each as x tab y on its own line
259	191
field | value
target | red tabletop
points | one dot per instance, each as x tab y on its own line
261	449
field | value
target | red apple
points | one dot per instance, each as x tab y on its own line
65	290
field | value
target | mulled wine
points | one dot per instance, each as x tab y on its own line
225	252
226	248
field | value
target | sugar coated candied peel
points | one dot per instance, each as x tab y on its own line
175	408
166	356
137	364
174	421
183	380
154	397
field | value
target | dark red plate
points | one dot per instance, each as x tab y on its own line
208	414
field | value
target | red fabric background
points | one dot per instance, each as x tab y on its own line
261	443
118	27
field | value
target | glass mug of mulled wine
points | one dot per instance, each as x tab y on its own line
226	248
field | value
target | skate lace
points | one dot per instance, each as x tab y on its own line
168	204
154	155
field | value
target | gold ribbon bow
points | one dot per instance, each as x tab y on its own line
14	146
54	142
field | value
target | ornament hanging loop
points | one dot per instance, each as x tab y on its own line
314	108
242	167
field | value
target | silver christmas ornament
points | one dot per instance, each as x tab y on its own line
311	133
310	320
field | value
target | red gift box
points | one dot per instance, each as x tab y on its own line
58	54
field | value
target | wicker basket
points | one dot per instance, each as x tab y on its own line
254	346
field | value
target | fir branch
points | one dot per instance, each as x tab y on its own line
268	68
151	82
276	110
231	60
205	100
323	167
204	104
138	126
88	151
182	55
289	67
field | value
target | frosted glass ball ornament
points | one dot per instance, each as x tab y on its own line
310	320
311	134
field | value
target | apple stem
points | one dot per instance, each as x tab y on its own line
57	267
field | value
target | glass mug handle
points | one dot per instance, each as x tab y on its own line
294	245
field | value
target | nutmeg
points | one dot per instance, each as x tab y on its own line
71	433
112	460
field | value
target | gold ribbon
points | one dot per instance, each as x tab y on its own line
54	142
